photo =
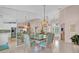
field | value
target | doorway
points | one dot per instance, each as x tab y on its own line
12	38
62	32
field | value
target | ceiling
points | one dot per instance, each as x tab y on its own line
18	12
38	9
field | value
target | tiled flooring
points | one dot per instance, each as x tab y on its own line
56	47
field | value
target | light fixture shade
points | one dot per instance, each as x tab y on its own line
44	22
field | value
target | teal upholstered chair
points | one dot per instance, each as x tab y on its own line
50	38
4	46
43	44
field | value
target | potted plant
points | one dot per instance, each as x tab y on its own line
75	39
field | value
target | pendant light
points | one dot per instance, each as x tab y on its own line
44	21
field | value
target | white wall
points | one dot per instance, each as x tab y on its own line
70	16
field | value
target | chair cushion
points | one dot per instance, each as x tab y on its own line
4	46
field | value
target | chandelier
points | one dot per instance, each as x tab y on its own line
44	21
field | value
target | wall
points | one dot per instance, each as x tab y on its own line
70	17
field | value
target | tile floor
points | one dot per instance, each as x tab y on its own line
56	47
